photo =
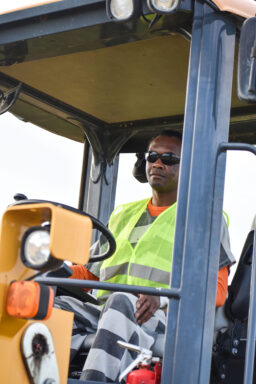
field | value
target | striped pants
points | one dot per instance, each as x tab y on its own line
112	322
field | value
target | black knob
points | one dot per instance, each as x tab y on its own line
19	197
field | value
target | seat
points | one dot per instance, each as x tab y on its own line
237	305
229	347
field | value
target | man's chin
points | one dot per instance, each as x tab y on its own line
158	187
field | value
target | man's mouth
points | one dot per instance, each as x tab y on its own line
157	174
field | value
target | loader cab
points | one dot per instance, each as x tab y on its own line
76	71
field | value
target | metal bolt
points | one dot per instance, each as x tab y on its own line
39	346
223	376
235	342
234	351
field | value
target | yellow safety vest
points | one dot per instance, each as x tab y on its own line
149	262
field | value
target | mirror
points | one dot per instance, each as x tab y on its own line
246	74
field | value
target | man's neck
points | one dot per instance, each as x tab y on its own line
163	199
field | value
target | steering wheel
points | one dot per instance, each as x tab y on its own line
97	224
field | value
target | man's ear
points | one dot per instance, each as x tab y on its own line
139	169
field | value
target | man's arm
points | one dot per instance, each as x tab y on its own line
89	271
225	261
222	286
81	272
148	305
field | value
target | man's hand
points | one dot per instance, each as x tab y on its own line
146	307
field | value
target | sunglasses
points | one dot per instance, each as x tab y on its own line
166	158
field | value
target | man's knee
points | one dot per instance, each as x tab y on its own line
122	302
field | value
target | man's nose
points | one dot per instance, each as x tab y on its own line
158	163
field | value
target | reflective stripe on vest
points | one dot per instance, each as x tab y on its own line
149	262
136	270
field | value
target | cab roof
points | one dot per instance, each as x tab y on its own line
78	68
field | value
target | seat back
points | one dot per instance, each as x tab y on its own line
237	304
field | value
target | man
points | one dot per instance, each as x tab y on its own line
144	233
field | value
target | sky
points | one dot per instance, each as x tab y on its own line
45	166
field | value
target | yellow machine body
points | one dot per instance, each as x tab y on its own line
70	237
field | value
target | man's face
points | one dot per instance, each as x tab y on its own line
161	177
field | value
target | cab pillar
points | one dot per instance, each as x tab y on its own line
188	347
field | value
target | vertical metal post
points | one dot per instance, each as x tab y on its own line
198	225
83	175
98	198
251	330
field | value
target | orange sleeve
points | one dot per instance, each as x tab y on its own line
80	272
222	286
